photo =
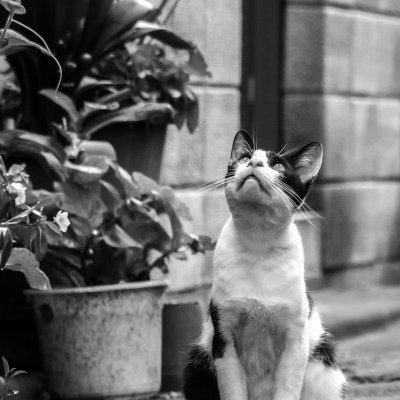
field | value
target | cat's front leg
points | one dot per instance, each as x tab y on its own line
230	373
291	367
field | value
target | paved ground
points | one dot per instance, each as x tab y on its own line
372	362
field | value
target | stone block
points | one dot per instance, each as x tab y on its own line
336	50
203	156
215	27
376	54
390	7
362	223
360	135
303	48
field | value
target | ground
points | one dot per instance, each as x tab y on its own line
372	363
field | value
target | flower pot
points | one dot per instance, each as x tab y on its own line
139	145
182	324
101	341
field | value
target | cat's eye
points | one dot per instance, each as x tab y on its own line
244	159
279	167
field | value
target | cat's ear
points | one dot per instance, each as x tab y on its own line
307	161
242	144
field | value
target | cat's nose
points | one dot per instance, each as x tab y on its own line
255	162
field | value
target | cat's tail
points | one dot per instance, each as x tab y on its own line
200	380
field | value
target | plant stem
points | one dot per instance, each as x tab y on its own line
8	23
47	48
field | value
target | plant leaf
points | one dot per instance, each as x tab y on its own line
122	16
116	237
146	184
17	42
54	227
6	366
40	244
22	260
82	201
138	112
6	247
197	64
16	373
66	103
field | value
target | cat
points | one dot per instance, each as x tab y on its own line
263	337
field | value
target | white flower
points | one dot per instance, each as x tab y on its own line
18	189
61	219
17	171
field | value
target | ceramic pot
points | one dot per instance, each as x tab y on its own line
101	341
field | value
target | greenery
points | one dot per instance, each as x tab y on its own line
119	65
98	223
9	374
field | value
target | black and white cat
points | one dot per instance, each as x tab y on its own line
263	338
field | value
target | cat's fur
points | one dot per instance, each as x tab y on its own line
263	339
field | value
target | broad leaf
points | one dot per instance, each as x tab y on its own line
22	260
84	174
129	186
146	184
6	366
122	16
116	237
82	201
40	244
14	42
6	246
138	112
197	64
65	102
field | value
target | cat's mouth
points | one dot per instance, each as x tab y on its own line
253	177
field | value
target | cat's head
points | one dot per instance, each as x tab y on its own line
268	184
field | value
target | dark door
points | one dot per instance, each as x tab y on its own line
261	71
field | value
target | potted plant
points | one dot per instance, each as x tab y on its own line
103	337
119	60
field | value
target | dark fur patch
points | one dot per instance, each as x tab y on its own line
200	381
218	342
325	351
310	303
343	392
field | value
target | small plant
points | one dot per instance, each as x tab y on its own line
9	374
23	227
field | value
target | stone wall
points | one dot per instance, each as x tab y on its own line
342	87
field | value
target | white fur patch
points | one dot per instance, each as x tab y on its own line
322	383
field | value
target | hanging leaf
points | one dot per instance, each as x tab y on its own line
129	186
66	103
22	260
146	184
138	112
110	197
116	237
40	244
197	65
13	6
6	246
82	201
14	41
6	366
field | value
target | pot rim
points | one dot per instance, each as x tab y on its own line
99	288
